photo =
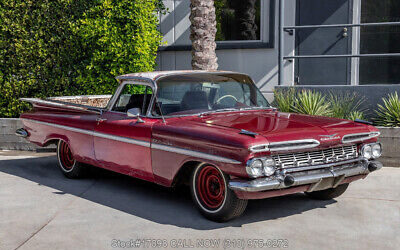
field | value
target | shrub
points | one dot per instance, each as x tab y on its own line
123	38
389	112
284	99
346	105
70	47
356	115
343	105
311	103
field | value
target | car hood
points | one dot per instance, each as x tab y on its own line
277	126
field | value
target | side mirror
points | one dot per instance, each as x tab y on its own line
135	112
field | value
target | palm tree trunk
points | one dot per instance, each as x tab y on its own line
203	30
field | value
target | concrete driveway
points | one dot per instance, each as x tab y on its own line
40	209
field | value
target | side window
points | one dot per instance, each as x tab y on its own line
133	96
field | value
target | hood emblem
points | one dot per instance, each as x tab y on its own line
329	137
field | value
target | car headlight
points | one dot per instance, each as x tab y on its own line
255	168
371	151
260	167
269	166
366	151
376	150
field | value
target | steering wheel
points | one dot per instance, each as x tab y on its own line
226	96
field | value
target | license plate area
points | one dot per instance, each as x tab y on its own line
326	183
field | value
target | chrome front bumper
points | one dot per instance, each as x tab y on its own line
320	176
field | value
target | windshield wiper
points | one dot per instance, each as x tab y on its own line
218	110
255	107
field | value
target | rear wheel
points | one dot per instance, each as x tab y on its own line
210	192
330	193
67	163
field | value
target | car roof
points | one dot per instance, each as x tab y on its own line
157	74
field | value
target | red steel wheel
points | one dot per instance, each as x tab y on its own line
66	159
212	196
210	187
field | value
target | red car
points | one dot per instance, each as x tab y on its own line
211	130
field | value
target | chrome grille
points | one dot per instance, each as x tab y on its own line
316	157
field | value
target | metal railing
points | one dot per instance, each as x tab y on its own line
290	29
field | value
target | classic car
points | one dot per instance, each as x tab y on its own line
213	131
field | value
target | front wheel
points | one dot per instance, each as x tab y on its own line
67	163
210	193
330	193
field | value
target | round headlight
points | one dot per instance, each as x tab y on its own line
366	151
269	166
376	150
255	169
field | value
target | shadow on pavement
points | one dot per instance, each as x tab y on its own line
148	200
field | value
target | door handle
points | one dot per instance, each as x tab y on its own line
345	34
100	120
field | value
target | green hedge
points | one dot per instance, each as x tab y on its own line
71	47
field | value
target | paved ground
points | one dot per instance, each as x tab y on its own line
40	209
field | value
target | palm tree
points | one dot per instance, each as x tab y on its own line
203	30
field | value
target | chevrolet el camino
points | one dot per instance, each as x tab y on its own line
211	130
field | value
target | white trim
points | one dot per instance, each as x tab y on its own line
141	143
355	44
92	133
193	153
78	130
122	139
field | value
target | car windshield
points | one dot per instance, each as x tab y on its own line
206	93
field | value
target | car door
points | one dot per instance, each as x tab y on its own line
121	142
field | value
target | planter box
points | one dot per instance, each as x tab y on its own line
390	139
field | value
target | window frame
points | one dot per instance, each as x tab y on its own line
264	42
139	81
164	117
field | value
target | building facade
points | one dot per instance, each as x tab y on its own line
248	41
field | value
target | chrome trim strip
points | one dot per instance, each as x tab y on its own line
327	165
122	139
309	143
141	143
301	178
368	135
137	81
61	104
93	133
193	153
78	130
